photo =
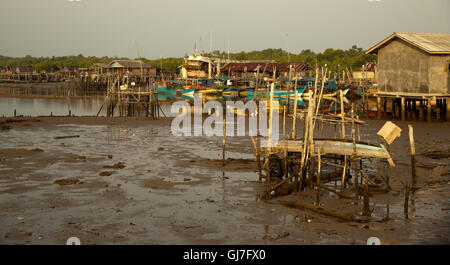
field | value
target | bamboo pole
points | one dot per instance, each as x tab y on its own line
224	140
366	204
342	114
407	189
413	154
294	118
258	156
323	210
319	163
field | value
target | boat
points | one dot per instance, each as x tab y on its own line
231	91
188	92
211	90
167	90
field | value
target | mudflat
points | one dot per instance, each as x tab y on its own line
128	180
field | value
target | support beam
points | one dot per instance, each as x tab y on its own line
429	110
447	103
379	107
403	108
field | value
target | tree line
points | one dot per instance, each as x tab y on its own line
352	58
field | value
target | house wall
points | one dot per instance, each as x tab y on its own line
403	68
439	74
360	75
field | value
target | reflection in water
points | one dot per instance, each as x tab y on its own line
46	106
89	106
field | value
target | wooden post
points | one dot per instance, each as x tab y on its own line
366	204
268	168
438	113
318	178
294	118
447	104
342	114
421	112
15	113
258	156
224	140
379	107
413	154
429	110
403	108
407	189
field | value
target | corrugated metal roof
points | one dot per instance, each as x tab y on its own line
128	64
432	43
267	67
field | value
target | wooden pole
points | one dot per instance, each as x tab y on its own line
429	110
379	107
224	140
403	108
413	154
319	163
258	156
447	106
407	189
366	204
294	118
342	114
322	210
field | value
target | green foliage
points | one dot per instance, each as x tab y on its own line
169	64
352	58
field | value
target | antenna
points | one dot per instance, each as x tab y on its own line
139	57
228	50
287	46
210	41
196	46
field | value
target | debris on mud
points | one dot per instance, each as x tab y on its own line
437	154
68	136
66	181
118	165
106	173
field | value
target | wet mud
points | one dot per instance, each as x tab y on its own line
129	181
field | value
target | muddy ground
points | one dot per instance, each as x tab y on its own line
129	181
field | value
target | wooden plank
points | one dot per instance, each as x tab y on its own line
334	147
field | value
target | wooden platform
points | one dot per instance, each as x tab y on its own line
336	147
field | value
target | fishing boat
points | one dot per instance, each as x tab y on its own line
167	90
275	92
231	91
210	90
188	92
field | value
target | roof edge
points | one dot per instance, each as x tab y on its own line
374	49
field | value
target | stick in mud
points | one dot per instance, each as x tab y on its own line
407	188
322	210
65	137
257	154
319	163
224	140
366	210
413	153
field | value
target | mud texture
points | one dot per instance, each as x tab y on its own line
129	181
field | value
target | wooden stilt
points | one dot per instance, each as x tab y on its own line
379	108
403	108
413	153
407	189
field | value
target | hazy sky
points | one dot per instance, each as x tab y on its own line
171	27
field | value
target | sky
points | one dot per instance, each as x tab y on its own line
170	28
